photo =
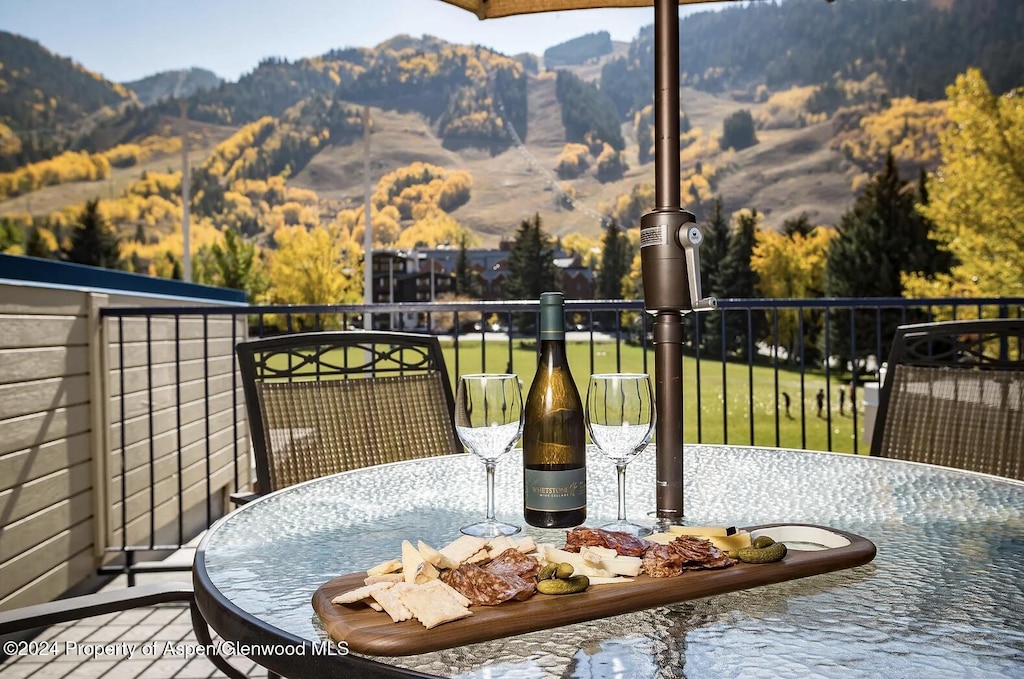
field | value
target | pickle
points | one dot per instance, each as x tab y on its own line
772	553
547	572
762	541
568	586
564	571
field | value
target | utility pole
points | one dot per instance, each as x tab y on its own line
367	232
185	230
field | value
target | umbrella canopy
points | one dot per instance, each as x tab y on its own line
492	9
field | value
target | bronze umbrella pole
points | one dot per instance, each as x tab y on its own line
669	237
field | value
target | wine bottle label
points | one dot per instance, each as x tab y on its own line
556	491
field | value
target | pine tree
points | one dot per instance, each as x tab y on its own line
38	245
616	256
467	282
94	242
736	279
531	264
882	237
712	254
714	248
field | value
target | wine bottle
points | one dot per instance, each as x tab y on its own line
554	436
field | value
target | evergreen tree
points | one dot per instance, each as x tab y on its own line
713	249
882	237
531	262
736	279
467	281
616	256
801	225
94	242
738	131
37	245
712	254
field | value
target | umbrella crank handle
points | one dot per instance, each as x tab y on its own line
690	238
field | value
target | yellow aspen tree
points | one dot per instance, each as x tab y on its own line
976	197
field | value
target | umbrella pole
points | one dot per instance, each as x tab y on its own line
669	245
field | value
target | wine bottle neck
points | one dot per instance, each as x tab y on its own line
552	353
552	319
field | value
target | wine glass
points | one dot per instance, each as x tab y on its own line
489	420
620	419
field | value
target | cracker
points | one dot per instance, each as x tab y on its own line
432	607
360	593
390	601
392	566
482	555
389	577
463	547
446	589
498	545
525	544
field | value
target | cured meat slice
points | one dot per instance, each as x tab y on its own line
514	562
623	543
685	553
485	588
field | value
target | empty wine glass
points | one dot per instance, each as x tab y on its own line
620	419
489	420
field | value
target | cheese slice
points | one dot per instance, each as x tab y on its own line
702	531
411	560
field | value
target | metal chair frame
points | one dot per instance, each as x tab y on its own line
954	349
114	601
319	357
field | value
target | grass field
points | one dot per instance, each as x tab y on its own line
736	393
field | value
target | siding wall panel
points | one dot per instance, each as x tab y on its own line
60	429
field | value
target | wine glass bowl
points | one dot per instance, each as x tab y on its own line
620	420
489	421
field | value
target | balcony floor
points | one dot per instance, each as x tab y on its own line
167	626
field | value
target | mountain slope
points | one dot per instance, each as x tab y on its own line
173	84
42	91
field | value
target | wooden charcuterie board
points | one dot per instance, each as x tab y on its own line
367	631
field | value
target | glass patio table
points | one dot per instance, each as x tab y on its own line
943	597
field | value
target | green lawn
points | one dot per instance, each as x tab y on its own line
736	393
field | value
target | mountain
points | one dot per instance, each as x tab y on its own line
488	139
917	46
173	84
43	95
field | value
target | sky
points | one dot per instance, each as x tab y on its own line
125	40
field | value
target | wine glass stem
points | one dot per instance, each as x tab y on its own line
621	468
490	490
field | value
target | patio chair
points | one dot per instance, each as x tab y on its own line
88	605
954	396
327	402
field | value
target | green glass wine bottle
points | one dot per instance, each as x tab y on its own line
554	435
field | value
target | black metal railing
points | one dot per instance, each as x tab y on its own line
745	365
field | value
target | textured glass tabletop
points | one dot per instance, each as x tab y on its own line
943	597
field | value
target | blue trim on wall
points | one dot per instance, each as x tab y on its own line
65	274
